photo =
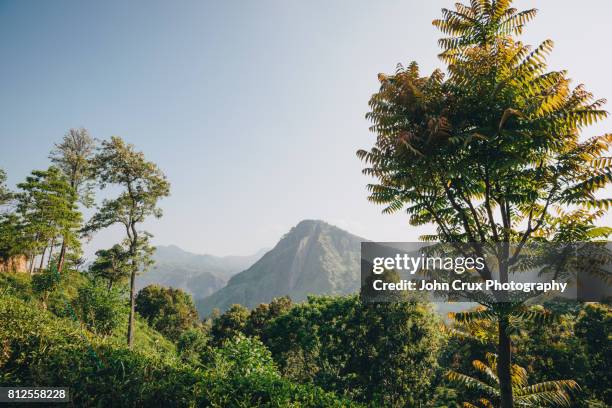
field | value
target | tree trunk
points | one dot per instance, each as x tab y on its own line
32	263
42	259
133	234
50	252
62	256
504	364
130	333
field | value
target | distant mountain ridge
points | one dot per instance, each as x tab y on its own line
314	257
198	274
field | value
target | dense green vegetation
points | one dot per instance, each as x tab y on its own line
43	348
170	311
328	351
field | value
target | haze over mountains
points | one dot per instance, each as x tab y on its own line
313	258
199	275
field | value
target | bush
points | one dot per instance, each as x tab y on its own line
193	347
100	309
170	311
229	324
44	283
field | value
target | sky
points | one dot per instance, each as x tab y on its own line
253	109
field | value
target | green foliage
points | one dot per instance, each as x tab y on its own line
229	324
261	317
244	356
245	375
43	284
193	346
73	157
18	285
40	350
143	182
47	207
12	242
491	153
481	23
557	349
170	311
594	329
359	349
100	309
111	265
5	193
547	394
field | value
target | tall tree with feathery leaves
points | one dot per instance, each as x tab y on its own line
490	153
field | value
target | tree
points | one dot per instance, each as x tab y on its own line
73	157
111	265
244	356
260	317
48	209
546	394
143	186
231	323
12	241
594	329
170	311
492	154
5	193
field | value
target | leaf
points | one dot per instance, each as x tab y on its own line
508	113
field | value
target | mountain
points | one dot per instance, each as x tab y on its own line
200	275
313	258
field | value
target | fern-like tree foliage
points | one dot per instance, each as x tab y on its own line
541	395
490	152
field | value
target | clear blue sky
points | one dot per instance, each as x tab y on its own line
254	109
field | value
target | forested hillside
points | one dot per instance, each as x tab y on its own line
327	352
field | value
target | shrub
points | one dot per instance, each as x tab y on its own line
44	283
170	311
100	309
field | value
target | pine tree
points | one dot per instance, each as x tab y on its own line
47	205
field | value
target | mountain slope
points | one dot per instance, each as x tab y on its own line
199	275
313	258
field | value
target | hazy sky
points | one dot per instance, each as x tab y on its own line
254	108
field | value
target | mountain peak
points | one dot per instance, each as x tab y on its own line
309	222
314	257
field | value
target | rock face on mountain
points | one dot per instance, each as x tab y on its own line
199	275
313	258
